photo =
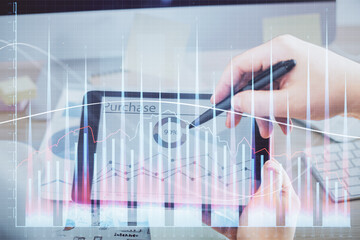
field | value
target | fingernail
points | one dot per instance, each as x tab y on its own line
272	166
275	167
263	132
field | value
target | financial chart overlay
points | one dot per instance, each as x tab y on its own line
146	155
155	158
135	162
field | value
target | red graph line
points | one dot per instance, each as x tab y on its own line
119	130
72	131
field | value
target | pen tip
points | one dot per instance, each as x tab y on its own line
191	126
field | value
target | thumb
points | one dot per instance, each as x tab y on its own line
260	101
271	178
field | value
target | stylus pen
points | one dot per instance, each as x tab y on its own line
260	81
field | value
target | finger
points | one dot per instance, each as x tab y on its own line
262	104
287	187
290	201
285	183
276	195
284	125
265	128
271	182
253	60
282	122
272	167
290	198
282	195
232	119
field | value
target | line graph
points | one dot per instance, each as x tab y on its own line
168	113
243	141
155	175
176	158
124	176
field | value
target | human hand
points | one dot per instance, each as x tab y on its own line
314	66
274	201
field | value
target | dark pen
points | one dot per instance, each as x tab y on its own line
260	81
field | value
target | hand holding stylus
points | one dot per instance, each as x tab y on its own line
267	77
315	65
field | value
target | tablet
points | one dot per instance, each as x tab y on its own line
137	148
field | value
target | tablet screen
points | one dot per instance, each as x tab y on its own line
145	152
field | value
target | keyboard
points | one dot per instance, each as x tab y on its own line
331	171
335	122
